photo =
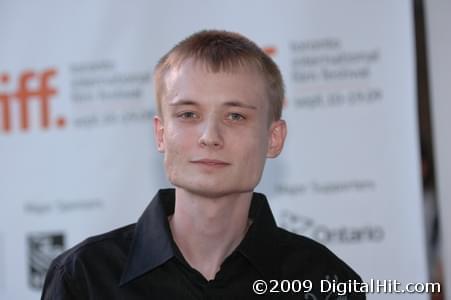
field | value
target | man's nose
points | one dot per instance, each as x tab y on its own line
211	135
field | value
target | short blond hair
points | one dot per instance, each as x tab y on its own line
223	51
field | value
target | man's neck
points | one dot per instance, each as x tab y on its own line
208	230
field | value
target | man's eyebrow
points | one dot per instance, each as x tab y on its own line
183	102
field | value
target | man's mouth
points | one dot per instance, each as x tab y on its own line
210	162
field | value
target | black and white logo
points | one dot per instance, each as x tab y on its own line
327	235
42	249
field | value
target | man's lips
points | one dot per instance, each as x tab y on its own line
210	162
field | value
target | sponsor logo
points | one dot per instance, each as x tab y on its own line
330	235
31	86
42	249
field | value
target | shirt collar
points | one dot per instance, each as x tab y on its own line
260	244
152	243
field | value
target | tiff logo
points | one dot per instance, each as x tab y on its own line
23	96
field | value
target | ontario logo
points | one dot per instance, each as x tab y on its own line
34	90
325	234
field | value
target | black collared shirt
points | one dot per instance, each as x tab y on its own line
141	261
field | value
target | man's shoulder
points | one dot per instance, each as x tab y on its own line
95	262
113	243
300	254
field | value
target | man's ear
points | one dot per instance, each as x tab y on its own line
276	138
158	128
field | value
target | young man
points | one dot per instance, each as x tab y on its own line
219	99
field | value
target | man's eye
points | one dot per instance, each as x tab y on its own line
188	115
235	117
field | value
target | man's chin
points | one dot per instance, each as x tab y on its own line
212	191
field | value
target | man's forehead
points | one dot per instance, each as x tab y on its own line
230	103
226	67
186	74
231	90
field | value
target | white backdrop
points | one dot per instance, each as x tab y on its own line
77	153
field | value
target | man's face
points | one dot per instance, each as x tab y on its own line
214	130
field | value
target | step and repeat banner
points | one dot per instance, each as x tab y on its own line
76	142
